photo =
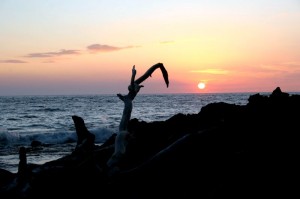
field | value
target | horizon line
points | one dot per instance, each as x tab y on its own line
190	93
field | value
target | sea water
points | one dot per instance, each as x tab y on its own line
48	119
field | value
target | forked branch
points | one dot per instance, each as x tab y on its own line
134	87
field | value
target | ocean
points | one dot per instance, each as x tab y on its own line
48	119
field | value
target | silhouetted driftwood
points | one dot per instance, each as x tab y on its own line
85	139
123	135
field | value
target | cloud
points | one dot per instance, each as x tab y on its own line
278	67
102	48
254	70
48	62
292	64
107	48
211	71
166	42
13	61
54	54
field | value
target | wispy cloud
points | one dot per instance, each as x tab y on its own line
13	61
279	67
102	48
211	71
166	42
292	63
106	48
48	62
54	54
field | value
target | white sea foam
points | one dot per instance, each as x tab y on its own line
8	137
50	137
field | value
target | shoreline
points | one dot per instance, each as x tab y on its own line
229	150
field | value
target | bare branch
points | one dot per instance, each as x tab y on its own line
134	87
149	72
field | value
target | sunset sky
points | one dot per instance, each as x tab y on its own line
89	46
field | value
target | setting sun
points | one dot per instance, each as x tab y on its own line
201	85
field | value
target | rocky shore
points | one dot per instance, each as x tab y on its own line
224	151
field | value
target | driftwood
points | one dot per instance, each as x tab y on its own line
85	139
123	136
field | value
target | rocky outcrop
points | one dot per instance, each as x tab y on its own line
224	151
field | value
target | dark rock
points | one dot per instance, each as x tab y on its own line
110	141
278	93
224	151
5	177
36	143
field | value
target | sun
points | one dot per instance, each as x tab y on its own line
201	85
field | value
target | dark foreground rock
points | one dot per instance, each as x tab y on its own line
224	151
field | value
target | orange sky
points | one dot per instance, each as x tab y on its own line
89	47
